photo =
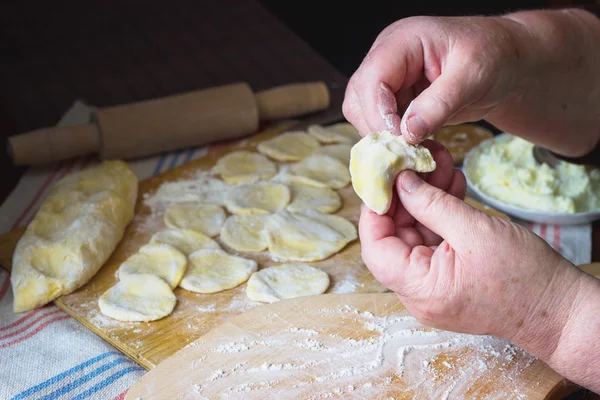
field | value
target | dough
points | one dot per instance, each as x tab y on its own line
307	197
347	129
73	234
143	297
258	198
307	236
245	166
319	170
339	151
289	146
333	134
158	259
245	232
184	240
204	218
286	281
377	160
212	271
460	139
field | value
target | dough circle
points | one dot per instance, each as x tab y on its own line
289	146
184	240
143	297
347	129
336	133
258	198
320	170
307	236
245	166
377	160
340	151
212	271
245	232
158	259
307	197
204	218
460	139
286	281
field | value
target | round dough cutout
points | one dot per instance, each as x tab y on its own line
339	151
184	240
212	271
307	197
289	146
204	218
258	198
308	236
158	259
245	166
245	232
143	297
328	135
320	170
286	281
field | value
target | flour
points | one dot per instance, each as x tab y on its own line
427	362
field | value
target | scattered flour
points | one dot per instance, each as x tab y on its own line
428	362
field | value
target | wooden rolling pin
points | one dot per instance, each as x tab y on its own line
153	126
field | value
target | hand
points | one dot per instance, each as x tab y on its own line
533	74
459	269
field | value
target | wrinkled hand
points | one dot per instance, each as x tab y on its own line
447	69
533	74
457	268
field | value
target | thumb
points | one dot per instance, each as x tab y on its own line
437	209
453	90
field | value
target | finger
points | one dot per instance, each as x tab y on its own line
454	89
437	210
458	186
394	64
382	252
444	170
352	109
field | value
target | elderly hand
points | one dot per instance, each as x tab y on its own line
459	269
533	74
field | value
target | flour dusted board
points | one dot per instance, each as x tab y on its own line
341	346
194	314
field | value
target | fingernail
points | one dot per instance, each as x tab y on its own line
410	181
416	127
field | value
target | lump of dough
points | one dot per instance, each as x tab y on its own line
307	236
333	134
184	240
245	232
286	281
73	234
307	197
319	170
204	218
258	198
158	259
376	161
289	146
245	166
141	297
212	271
339	151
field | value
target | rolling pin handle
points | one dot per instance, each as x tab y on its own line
48	145
292	100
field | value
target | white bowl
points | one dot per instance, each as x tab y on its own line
543	217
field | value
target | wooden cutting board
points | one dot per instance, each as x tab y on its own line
345	346
195	314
